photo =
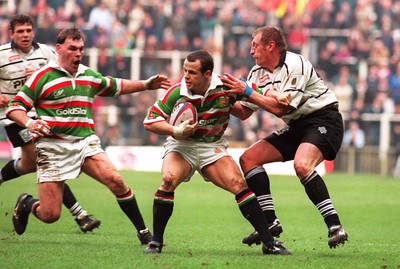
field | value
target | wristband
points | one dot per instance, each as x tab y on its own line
248	90
28	122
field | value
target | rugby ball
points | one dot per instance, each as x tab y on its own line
182	112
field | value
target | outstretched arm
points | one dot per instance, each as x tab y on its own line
152	83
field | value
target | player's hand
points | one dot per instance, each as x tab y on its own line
283	98
156	82
29	71
235	85
39	127
3	101
184	130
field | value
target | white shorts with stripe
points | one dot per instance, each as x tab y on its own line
198	154
59	160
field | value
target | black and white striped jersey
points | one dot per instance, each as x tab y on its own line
296	75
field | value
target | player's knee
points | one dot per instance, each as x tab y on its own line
245	163
168	182
302	169
50	217
116	184
237	184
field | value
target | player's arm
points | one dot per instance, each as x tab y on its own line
274	102
184	130
152	83
19	116
241	112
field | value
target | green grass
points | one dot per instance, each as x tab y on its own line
206	228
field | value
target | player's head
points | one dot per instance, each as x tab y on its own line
20	19
198	68
267	45
206	60
69	46
21	31
271	33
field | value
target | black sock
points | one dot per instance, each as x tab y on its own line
9	171
71	203
258	182
129	205
163	207
318	193
32	203
251	210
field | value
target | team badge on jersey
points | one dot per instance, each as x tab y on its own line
151	116
294	80
223	101
217	150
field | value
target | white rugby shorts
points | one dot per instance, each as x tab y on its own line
59	160
198	154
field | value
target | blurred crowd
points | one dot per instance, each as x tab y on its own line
354	44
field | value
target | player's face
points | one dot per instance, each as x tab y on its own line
70	54
23	36
259	51
196	81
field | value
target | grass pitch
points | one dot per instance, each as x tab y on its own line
206	228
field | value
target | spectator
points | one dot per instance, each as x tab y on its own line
354	136
394	86
344	93
192	23
177	23
297	37
101	16
136	18
379	53
380	104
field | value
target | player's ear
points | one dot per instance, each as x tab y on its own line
208	73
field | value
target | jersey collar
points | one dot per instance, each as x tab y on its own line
282	58
215	82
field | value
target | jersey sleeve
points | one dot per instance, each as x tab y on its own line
163	107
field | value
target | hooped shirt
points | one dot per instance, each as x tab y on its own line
64	101
213	109
13	64
296	75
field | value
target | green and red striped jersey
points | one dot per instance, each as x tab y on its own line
213	108
65	101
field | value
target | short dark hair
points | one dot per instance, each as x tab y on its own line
72	32
20	19
272	33
206	60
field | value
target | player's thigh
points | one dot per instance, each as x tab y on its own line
259	153
27	162
226	174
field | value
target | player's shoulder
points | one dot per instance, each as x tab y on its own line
5	48
296	63
45	48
